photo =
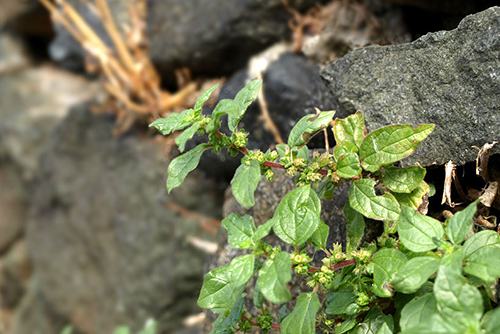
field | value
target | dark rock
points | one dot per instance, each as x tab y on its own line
448	78
105	248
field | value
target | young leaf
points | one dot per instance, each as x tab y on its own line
217	292
244	98
180	167
403	180
343	148
363	199
417	311
320	236
338	302
174	122
274	277
302	320
387	262
241	269
263	230
355	227
240	230
416	231
348	166
186	135
297	216
484	263
224	107
415	273
204	97
244	182
384	329
415	198
479	240
228	323
307	127
491	321
461	223
350	129
374	322
390	144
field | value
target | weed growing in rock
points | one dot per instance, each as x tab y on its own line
420	276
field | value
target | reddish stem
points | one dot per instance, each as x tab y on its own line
340	265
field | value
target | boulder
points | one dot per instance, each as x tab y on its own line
448	78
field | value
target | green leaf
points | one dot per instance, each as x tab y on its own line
436	324
302	320
386	263
174	122
320	235
479	240
461	223
415	198
417	311
363	199
258	297
241	269
67	330
224	107
119	330
343	148
297	216
338	302
415	273
240	230
227	323
307	127
244	183
348	166
303	153
350	129
186	135
416	231
390	144
274	277
403	180
491	321
218	293
484	263
355	227
374	322
180	167
384	329
263	230
204	97
149	327
244	98
346	326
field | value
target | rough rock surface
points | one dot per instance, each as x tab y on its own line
105	248
449	78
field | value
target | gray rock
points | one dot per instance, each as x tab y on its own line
105	248
448	78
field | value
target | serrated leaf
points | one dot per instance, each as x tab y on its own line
403	180
355	227
374	322
390	144
244	98
484	263
224	107
415	198
416	231
415	273
307	127
204	97
320	236
479	240
186	135
363	199
338	302
244	183
181	166
386	263
302	320
491	321
343	148
274	277
461	223
350	129
348	166
217	292
174	122
240	230
228	323
418	310
241	269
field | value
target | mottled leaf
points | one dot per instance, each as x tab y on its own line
350	129
415	198
403	180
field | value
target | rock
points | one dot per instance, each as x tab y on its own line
105	248
448	78
12	54
15	272
13	9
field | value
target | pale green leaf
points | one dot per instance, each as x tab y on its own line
484	263
258	297
363	199
346	326
418	310
227	323
415	198
320	236
386	263
204	97
491	321
244	183
307	127
67	330
350	129
436	324
461	223
384	329
118	330
374	322
263	230
343	148
355	227
241	269
390	144
415	273
224	107
240	230
244	98
181	166
186	135
149	327
348	166
403	180
217	292
174	121
274	276
338	302
479	240
302	320
417	231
